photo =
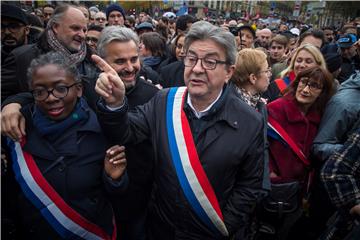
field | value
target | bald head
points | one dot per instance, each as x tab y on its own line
263	37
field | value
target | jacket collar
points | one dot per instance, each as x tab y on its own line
38	146
293	113
218	112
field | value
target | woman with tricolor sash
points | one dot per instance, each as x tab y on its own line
293	122
61	164
305	56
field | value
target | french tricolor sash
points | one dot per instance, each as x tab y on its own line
65	220
190	173
275	130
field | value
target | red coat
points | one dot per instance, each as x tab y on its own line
302	129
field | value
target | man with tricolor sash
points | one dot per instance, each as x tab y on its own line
208	144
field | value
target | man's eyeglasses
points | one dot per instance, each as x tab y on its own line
12	27
92	39
312	85
98	19
206	63
41	93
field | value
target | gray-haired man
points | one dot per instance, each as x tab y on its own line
207	142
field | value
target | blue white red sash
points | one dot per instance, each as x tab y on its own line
189	170
65	220
276	131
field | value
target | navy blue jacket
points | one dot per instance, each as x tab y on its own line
75	171
229	142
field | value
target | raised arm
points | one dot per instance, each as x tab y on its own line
109	85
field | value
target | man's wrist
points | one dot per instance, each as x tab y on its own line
114	107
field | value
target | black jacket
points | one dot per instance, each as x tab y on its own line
139	164
140	160
348	68
14	70
75	170
229	142
172	75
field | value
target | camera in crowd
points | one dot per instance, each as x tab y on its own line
234	30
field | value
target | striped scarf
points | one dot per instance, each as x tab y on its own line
74	58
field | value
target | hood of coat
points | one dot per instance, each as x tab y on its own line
352	83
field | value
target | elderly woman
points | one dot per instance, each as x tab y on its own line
295	117
305	56
62	165
251	78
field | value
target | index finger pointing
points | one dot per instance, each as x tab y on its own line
102	64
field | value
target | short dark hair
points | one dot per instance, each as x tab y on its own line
95	28
182	21
165	19
49	5
317	73
328	28
316	33
155	43
131	19
53	58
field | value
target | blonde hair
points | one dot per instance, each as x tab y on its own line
314	51
248	61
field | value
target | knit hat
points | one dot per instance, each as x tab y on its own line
14	12
114	7
333	61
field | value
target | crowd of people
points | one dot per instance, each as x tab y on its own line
118	126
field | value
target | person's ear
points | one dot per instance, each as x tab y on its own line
55	28
252	78
79	90
27	30
229	72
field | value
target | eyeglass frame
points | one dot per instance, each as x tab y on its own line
6	26
312	86
202	65
52	91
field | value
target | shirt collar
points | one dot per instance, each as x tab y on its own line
205	111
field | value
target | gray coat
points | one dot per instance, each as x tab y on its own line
342	112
